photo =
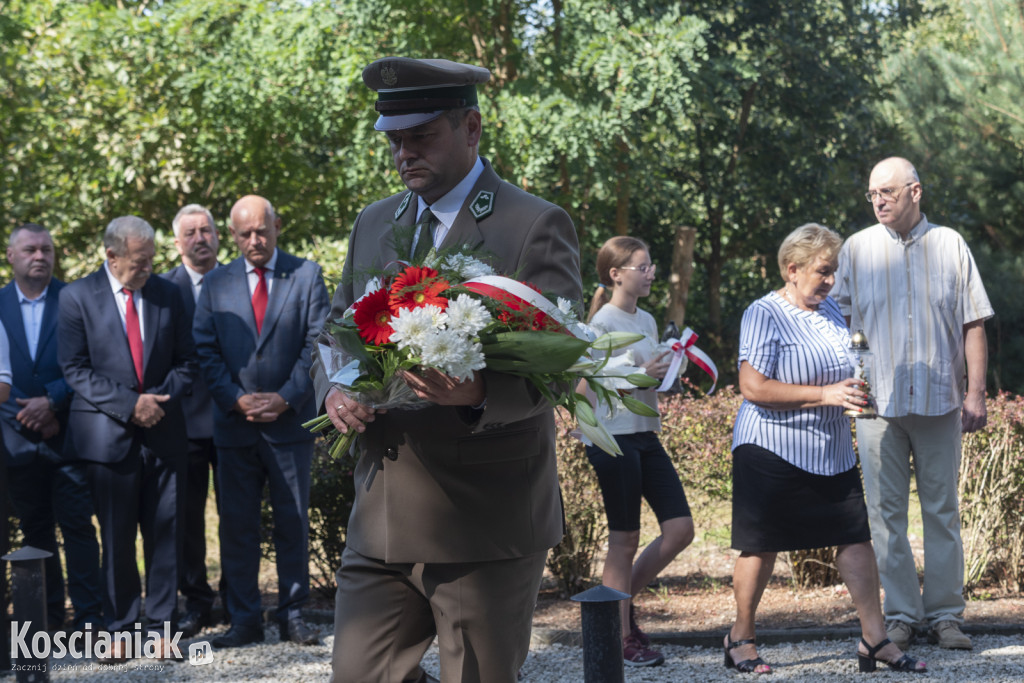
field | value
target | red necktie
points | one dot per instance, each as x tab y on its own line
134	330
259	298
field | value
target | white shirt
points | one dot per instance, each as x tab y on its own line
32	316
122	302
250	271
795	346
447	207
612	318
912	299
197	280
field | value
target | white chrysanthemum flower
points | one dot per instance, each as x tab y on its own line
413	325
567	311
443	347
467	267
472	359
467	316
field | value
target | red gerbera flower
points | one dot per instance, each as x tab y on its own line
372	316
416	287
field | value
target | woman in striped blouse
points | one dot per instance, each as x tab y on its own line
795	480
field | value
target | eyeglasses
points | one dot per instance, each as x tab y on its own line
647	268
889	194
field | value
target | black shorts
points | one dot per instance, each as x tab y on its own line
776	506
644	470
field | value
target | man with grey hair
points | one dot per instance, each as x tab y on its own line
196	239
914	289
127	422
45	488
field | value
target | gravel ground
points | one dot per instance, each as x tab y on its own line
995	658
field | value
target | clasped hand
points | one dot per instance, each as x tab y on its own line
147	411
261	406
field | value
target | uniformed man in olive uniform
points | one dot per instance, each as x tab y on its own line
456	504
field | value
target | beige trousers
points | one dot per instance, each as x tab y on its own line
887	447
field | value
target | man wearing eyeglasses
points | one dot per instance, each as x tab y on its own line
914	289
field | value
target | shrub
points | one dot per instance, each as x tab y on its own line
696	430
991	492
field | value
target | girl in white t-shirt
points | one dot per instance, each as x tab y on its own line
644	470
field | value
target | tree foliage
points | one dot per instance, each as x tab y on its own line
741	120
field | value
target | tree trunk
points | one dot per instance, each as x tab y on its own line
682	272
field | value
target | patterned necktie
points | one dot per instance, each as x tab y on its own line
425	237
259	298
134	331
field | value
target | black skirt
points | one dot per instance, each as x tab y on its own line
777	506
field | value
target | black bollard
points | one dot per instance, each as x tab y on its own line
28	597
602	634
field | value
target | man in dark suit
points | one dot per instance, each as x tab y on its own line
45	488
126	418
255	323
456	504
195	237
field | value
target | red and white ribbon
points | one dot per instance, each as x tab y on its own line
687	346
516	295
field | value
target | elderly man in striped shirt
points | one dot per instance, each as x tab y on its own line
914	289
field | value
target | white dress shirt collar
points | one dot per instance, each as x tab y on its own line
447	207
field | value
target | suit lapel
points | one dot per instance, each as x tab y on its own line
184	282
465	230
111	319
238	290
48	325
386	245
151	311
16	334
284	271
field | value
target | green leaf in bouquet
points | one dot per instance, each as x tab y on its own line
638	407
616	340
350	342
639	379
531	351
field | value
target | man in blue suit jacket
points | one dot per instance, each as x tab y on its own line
126	418
255	323
44	487
195	236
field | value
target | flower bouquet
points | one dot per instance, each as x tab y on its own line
456	315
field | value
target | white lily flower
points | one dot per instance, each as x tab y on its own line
600	437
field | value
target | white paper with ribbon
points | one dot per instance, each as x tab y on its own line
686	346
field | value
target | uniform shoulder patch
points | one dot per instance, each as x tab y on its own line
482	205
403	206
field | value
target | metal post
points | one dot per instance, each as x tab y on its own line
602	634
28	596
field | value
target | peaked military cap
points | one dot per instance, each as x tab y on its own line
411	92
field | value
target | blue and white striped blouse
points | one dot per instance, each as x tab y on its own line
795	346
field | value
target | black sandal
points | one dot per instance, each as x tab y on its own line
868	661
747	666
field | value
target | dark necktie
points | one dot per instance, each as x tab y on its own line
426	236
259	298
134	331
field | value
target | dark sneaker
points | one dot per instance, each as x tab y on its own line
635	654
634	628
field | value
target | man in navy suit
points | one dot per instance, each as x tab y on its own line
126	349
195	237
255	323
45	488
